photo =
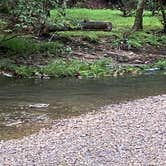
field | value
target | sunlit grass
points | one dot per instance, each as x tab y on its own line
120	25
114	16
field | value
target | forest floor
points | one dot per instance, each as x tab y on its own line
83	49
131	133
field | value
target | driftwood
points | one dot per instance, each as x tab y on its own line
84	25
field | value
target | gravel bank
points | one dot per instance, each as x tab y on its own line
132	133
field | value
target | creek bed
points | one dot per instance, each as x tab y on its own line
28	105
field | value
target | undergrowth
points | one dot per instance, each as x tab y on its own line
60	68
24	46
68	68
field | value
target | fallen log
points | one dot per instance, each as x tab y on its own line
96	25
84	26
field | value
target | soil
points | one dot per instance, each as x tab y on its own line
91	50
83	49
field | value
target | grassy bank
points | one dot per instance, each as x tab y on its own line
121	25
27	56
61	68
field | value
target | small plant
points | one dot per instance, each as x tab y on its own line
72	68
24	71
161	64
91	37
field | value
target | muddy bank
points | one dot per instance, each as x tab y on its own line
132	133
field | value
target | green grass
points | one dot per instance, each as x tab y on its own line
161	64
68	68
113	16
139	39
24	46
60	68
120	25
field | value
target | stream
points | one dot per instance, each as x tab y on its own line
26	105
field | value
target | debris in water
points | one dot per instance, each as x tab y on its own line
152	69
38	105
6	74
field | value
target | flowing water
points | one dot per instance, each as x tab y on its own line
28	105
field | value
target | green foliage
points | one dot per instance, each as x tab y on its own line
25	47
143	38
150	4
162	39
161	64
60	18
5	6
98	68
30	14
2	24
120	25
65	68
70	68
6	64
91	37
128	7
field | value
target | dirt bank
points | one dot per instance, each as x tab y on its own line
123	53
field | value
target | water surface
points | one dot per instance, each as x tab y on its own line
65	97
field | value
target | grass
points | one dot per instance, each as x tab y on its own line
24	46
113	16
120	25
68	68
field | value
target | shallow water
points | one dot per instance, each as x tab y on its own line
27	105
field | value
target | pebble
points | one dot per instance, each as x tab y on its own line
127	134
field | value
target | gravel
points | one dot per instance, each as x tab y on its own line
132	133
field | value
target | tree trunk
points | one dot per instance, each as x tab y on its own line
163	15
138	23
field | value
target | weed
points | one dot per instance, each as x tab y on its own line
72	68
161	64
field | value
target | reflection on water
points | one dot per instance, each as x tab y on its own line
25	105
